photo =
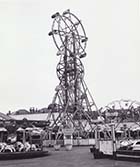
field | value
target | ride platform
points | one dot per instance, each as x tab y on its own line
128	153
22	155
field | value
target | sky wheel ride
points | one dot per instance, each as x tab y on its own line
73	103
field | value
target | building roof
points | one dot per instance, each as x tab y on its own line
32	117
5	117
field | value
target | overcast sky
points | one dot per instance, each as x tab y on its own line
28	55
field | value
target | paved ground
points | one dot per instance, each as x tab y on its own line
78	157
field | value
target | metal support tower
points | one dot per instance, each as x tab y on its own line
72	105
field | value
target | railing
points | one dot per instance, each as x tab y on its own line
76	142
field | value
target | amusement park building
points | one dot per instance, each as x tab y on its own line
5	117
31	117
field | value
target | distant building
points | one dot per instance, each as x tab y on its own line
5	117
30	117
34	116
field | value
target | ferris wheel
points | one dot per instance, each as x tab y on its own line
122	111
68	33
73	94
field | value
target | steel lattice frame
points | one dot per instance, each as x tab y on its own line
73	102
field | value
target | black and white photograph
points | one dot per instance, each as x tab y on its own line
69	83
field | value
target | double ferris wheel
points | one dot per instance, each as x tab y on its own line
73	99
